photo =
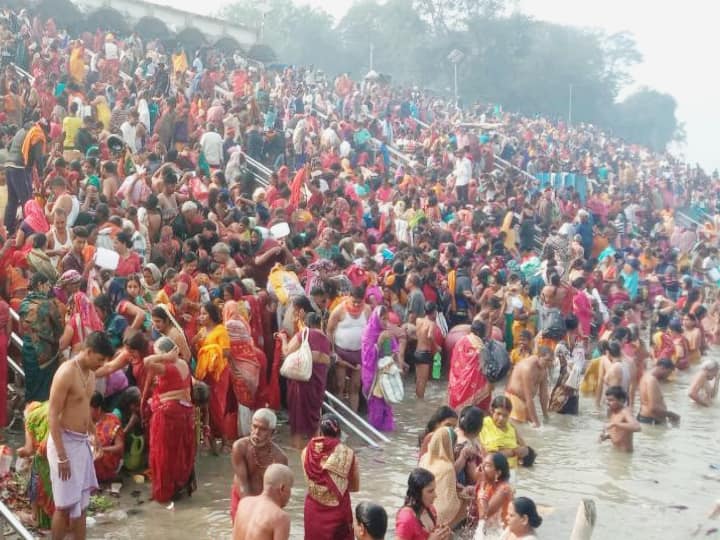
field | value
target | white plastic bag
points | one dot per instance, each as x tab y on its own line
298	364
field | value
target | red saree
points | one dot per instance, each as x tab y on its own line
327	465
107	465
467	384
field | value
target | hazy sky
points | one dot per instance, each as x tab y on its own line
677	40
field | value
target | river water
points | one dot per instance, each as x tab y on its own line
662	491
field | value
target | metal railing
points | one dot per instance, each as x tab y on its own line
353	421
14	523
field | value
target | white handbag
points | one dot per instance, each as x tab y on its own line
298	364
390	380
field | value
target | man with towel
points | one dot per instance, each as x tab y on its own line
69	452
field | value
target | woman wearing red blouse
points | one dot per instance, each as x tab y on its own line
129	260
417	519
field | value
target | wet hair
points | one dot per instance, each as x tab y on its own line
213	312
478	328
430	307
617	392
501	465
525	506
302	302
441	414
614	349
39	241
200	393
99	343
373	518
330	425
418	480
313	320
130	396
501	402
124	238
471	420
38	279
357	292
136	341
160	313
665	363
97	401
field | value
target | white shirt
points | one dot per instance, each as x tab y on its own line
129	135
345	149
111	51
463	171
212	147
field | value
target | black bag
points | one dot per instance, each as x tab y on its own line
496	361
555	328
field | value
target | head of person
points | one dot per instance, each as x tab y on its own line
420	493
133	286
710	368
263	426
98	349
221	252
210	315
616	398
39	282
330	426
96	405
123	242
79	238
371	521
160	319
663	368
278	482
471	421
164	345
546	356
57	185
431	310
495	468
313	320
444	417
523	517
478	328
500	408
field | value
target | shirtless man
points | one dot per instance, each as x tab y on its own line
652	404
110	183
59	240
251	457
704	386
425	329
69	453
621	425
262	517
528	379
614	371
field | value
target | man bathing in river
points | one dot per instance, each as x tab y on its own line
652	404
252	456
704	386
621	423
528	379
262	517
68	448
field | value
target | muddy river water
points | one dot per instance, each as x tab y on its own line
662	491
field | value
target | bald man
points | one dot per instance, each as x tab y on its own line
262	517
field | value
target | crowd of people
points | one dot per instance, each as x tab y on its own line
161	290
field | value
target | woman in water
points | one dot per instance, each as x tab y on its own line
494	493
523	519
331	471
172	424
417	519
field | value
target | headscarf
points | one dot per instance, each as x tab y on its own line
440	460
93	180
157	276
34	217
70	277
34	135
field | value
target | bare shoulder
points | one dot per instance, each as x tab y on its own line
278	455
241	445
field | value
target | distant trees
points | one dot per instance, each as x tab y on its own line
524	64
